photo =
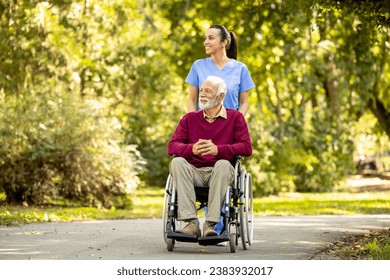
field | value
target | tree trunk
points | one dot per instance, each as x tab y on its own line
380	112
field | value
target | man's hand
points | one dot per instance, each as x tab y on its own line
204	147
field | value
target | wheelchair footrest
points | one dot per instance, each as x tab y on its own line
213	240
182	237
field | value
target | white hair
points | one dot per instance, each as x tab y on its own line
217	81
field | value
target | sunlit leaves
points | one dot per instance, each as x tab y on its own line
316	64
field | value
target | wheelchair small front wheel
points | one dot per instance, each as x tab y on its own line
233	242
170	244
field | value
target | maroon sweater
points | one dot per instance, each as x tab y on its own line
230	135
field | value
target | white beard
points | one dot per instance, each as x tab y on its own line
209	104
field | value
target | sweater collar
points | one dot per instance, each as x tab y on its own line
222	113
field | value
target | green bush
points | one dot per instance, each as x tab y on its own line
54	147
289	157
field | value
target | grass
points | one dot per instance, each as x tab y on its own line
287	204
373	245
147	203
379	251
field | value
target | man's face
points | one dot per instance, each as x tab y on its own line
208	96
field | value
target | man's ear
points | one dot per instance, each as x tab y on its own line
221	96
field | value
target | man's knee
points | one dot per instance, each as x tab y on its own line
222	165
223	168
179	165
177	162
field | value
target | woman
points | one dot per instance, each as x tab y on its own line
221	45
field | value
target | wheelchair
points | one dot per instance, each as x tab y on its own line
236	212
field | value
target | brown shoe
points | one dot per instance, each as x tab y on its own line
191	228
208	229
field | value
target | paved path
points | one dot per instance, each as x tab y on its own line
275	238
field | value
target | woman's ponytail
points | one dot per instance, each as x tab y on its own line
231	51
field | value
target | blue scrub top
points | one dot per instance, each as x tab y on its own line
235	74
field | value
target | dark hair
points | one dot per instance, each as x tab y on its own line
231	47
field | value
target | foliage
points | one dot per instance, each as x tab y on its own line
58	136
318	66
312	65
61	147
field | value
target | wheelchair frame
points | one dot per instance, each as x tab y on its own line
238	214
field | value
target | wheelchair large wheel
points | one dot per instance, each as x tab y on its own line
242	215
167	199
170	222
249	208
246	209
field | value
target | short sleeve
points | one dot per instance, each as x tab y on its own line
193	77
246	80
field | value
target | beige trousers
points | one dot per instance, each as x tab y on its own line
186	176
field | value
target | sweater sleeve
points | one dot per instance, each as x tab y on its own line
241	145
178	145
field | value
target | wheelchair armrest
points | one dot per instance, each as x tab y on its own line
237	159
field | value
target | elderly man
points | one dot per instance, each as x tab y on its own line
205	142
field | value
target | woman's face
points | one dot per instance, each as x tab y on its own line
212	42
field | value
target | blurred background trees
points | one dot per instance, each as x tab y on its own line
91	91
